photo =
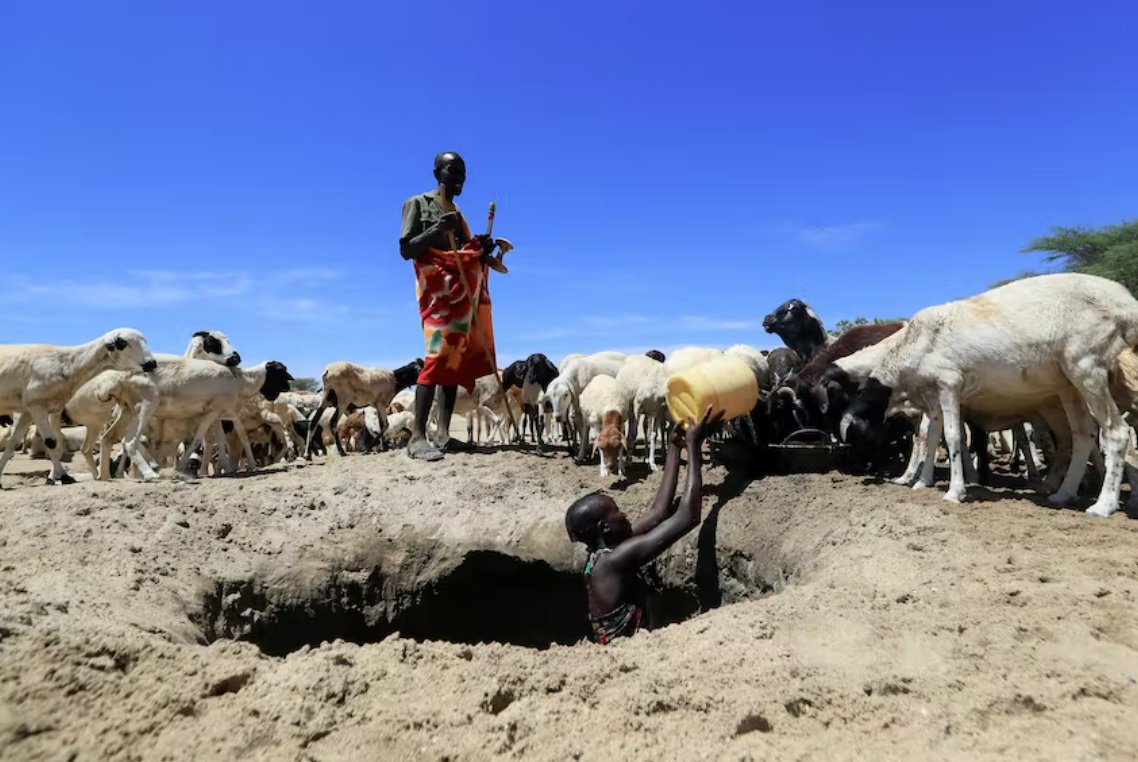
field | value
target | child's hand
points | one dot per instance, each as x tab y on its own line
697	432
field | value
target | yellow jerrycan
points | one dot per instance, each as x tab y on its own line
726	383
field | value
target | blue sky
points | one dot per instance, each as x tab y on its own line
668	173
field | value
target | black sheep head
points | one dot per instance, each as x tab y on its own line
863	425
408	375
276	380
514	374
796	324
539	370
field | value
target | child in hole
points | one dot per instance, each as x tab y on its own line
619	548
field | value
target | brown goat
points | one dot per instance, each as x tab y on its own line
853	340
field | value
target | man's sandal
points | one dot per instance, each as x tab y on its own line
422	449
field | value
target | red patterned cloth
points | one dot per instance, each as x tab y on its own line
458	330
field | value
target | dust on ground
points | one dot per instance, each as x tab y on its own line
840	618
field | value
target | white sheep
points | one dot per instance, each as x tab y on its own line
37	380
687	357
644	382
404	400
1011	351
399	426
347	385
194	394
117	405
568	359
578	373
604	406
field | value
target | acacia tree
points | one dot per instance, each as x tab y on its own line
844	325
1110	252
304	384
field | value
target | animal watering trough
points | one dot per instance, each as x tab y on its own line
804	451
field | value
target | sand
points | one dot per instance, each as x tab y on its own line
839	618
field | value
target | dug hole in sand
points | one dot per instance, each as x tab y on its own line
338	611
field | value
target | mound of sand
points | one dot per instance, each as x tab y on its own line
332	612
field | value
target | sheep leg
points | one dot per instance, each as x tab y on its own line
219	442
132	446
383	425
953	427
1021	448
1053	434
970	475
88	451
198	440
632	429
651	433
928	465
579	422
917	453
334	424
293	451
52	442
1115	435
106	439
111	434
1082	442
604	462
19	431
313	423
250	460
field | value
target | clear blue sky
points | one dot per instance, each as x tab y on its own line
669	173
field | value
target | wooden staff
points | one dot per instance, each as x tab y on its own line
444	203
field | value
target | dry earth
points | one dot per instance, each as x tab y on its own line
857	620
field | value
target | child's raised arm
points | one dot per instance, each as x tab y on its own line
639	550
662	505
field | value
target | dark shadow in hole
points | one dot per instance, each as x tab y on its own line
488	597
708	591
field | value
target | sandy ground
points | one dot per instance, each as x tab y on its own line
857	620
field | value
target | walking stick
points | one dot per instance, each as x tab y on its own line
474	313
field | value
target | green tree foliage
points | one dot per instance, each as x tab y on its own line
1110	252
844	325
304	385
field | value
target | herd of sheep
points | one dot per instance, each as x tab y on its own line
1050	358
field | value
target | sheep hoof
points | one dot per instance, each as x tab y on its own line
1060	498
953	497
919	485
1101	511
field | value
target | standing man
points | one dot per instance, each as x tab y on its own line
454	303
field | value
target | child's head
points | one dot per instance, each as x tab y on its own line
596	521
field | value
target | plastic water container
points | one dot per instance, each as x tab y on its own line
725	383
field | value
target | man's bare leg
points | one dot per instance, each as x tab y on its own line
442	436
419	447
